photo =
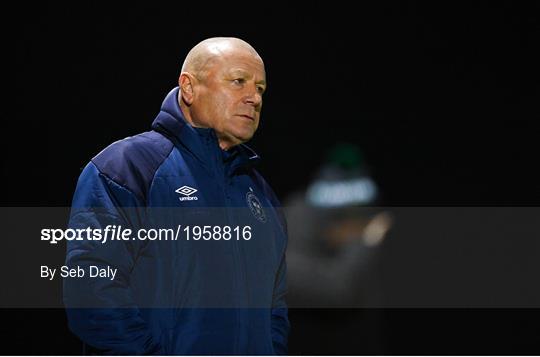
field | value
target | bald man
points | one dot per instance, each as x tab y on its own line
221	87
214	285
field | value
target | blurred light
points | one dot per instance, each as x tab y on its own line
342	193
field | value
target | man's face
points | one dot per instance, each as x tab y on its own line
229	97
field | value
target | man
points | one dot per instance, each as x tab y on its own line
219	294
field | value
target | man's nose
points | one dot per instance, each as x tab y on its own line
254	98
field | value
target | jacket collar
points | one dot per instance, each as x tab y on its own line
171	122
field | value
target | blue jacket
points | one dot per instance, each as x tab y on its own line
217	296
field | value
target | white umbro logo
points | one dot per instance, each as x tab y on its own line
187	192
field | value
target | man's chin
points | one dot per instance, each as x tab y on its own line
229	141
243	136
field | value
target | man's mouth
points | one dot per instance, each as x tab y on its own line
247	116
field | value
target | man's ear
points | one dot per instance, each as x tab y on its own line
186	84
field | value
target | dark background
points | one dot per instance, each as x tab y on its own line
443	99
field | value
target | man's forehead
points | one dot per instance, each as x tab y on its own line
243	58
242	65
245	72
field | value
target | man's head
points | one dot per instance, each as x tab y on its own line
221	87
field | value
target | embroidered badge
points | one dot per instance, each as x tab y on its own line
255	206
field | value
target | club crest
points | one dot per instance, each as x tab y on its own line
255	206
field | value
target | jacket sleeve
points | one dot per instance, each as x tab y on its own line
100	311
280	320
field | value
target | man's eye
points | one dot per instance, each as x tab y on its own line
260	89
239	81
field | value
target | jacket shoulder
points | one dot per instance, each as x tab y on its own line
132	162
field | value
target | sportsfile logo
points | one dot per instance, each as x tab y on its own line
186	191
